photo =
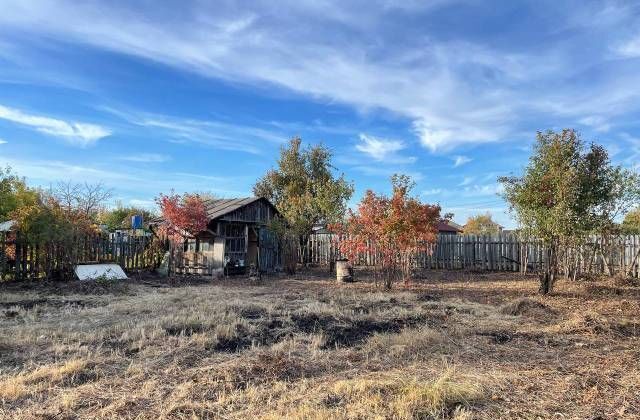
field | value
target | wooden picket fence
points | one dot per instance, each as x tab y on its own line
21	259
502	252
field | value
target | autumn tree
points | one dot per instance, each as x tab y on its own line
631	222
568	190
183	215
481	224
14	194
304	187
395	228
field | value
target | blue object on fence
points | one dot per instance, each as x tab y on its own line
136	221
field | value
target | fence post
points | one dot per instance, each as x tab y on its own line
3	256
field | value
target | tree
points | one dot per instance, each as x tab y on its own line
87	199
481	224
567	192
14	194
184	215
120	217
631	222
395	228
304	188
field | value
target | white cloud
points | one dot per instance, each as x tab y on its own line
384	171
145	204
481	190
76	133
453	91
596	122
216	134
131	181
467	180
147	158
433	191
630	48
461	160
383	150
3	141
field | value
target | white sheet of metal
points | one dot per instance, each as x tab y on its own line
100	271
7	226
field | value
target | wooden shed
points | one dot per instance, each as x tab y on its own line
237	237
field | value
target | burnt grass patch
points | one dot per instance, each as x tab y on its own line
71	287
348	333
185	330
250	311
8	309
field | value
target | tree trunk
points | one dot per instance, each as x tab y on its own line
548	277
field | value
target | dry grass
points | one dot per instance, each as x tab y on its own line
453	345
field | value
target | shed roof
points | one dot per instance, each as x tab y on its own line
449	226
220	207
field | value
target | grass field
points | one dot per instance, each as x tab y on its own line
452	345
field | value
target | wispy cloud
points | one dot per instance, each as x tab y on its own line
217	134
631	156
596	122
460	160
130	180
482	190
145	204
467	180
3	141
147	158
384	171
630	48
76	133
433	191
383	150
454	91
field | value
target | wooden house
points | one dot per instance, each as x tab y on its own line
449	227
237	237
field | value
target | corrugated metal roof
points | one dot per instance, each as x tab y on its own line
220	207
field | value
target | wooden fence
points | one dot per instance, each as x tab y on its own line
503	252
21	259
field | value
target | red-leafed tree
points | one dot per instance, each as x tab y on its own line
394	228
184	215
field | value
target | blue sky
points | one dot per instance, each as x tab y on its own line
199	96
